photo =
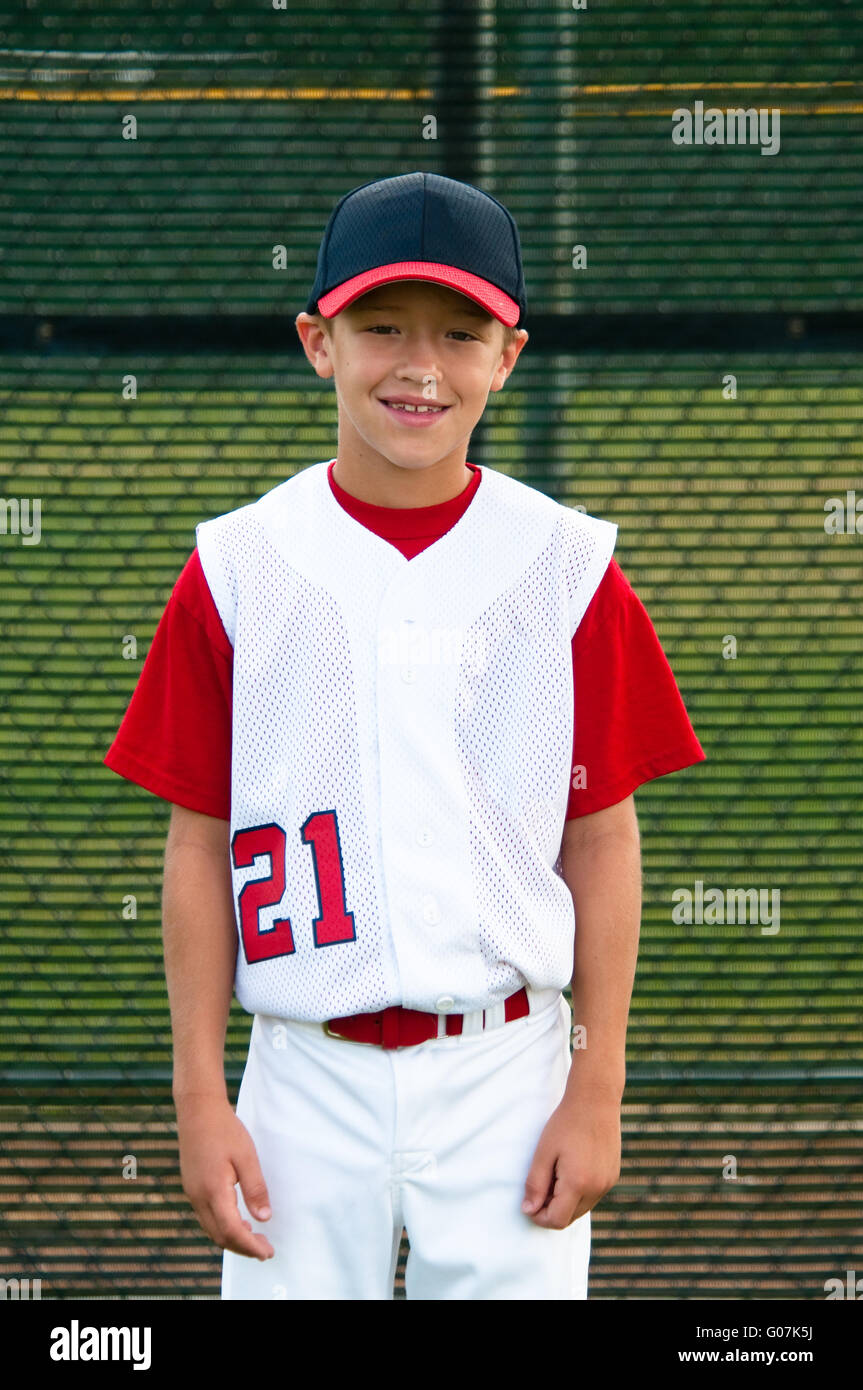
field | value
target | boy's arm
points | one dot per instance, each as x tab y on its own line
200	946
601	866
577	1159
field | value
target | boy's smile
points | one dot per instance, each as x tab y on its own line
413	364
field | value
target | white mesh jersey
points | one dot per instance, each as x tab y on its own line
401	747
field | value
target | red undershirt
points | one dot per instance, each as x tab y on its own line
630	721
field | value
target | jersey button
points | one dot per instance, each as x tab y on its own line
424	836
445	1003
409	674
431	911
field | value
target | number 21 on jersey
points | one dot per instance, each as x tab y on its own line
333	924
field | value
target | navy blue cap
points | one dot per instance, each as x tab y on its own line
420	226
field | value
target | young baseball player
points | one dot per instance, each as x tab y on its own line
400	704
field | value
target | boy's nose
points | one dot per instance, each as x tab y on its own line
421	378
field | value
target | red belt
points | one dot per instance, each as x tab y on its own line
401	1027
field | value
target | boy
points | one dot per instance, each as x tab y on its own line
362	703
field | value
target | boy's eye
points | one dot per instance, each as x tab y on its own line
387	327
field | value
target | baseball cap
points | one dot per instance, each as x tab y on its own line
420	226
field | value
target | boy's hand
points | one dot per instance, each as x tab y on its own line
216	1151
577	1160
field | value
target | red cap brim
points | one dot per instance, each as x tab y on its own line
481	291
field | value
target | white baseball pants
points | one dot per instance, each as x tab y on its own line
356	1142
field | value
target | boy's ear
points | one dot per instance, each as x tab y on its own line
315	318
315	336
514	341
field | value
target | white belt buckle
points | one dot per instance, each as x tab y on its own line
495	1017
358	1042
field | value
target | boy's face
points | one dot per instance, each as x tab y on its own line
416	340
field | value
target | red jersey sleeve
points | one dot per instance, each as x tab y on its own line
631	723
175	737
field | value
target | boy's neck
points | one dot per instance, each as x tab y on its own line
401	487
